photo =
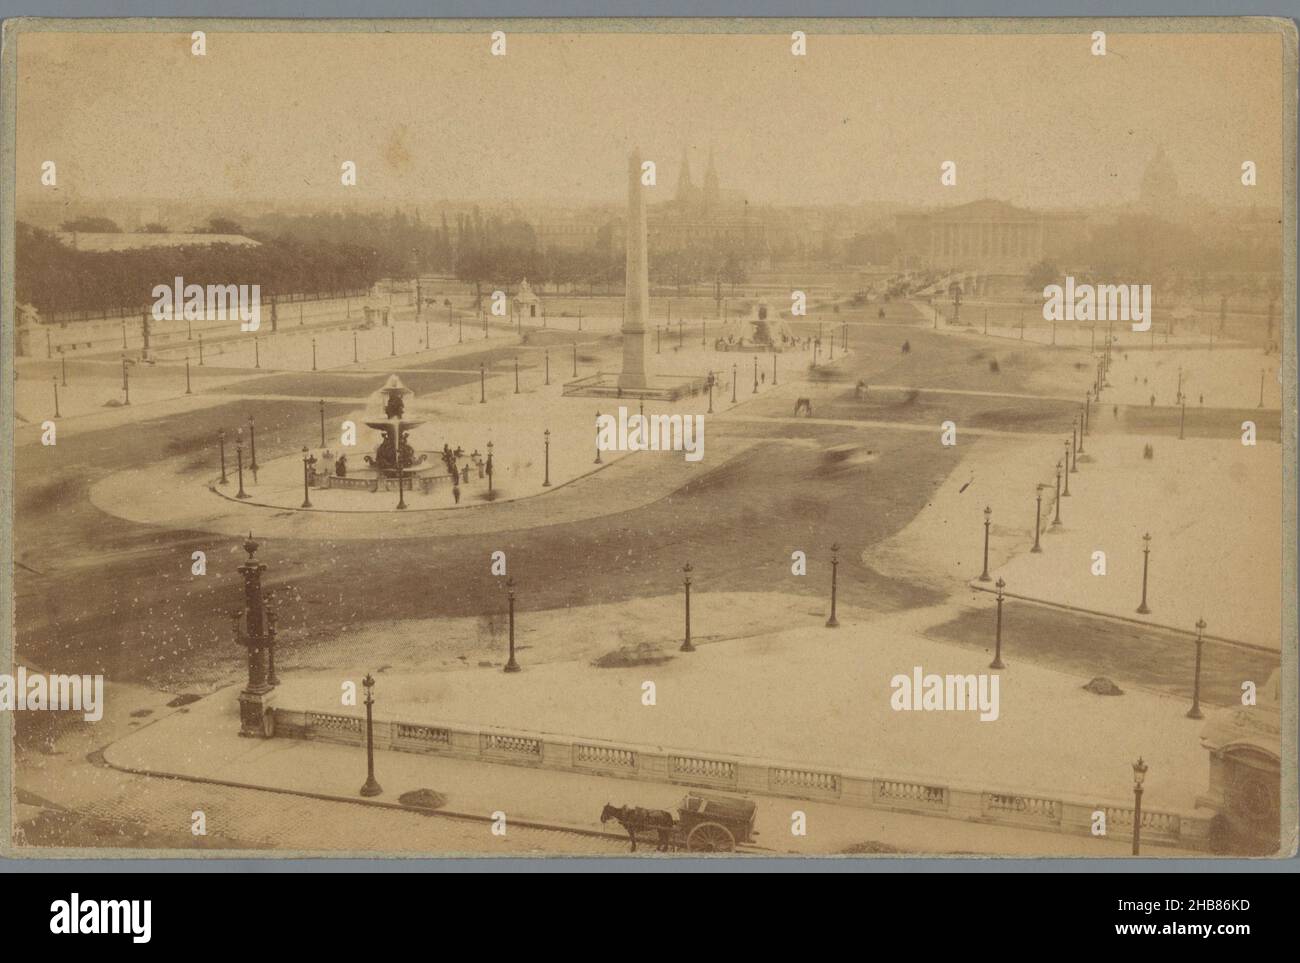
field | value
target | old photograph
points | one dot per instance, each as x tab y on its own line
675	438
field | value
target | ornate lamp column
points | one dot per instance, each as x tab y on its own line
511	664
1146	559
254	630
252	445
1056	522
1195	711
1000	584
833	622
239	462
686	582
308	466
1038	518
371	787
1139	774
988	517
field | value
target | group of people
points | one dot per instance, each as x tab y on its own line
460	473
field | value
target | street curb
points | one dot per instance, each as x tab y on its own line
980	587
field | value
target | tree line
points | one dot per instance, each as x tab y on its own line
330	254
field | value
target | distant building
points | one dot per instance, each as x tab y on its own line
577	233
706	217
527	304
989	237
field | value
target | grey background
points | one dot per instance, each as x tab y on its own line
271	9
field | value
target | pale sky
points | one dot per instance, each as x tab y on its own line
1035	119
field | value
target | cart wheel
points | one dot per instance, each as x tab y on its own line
710	838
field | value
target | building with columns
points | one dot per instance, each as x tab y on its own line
990	237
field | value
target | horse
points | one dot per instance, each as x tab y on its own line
635	819
803	404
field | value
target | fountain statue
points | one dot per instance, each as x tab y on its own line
394	455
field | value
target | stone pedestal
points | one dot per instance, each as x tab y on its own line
257	713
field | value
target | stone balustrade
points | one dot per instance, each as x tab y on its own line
743	775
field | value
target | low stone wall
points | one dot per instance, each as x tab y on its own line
741	775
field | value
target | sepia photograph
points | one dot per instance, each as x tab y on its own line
660	439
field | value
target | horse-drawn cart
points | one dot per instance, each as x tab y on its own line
705	823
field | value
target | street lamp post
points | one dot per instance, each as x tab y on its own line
187	375
686	582
734	370
126	382
63	367
1066	493
575	359
1087	411
516	376
252	445
308	463
482	384
239	462
490	468
1146	558
833	622
546	356
1000	584
354	347
598	438
1182	417
1195	711
371	787
1038	519
257	352
773	369
313	354
511	664
709	383
56	397
321	404
1056	522
546	483
988	517
1139	774
755	391
200	351
392	339
1078	444
221	441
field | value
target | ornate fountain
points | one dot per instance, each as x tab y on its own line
395	463
394	455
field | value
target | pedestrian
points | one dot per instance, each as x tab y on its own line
455	492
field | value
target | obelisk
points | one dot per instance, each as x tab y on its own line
636	294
